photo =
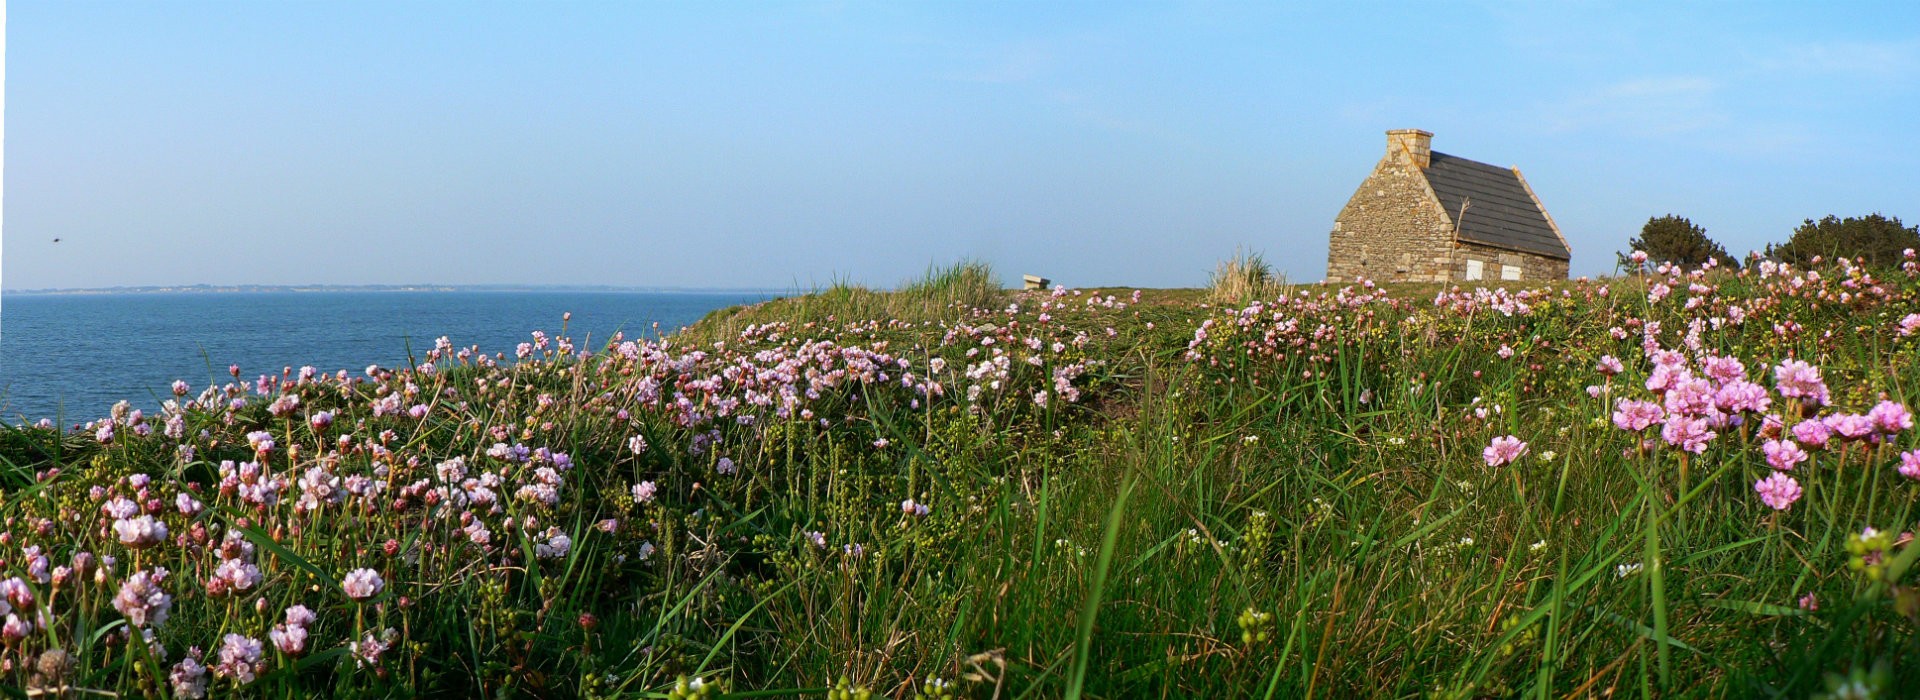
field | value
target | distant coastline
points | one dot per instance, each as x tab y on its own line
270	288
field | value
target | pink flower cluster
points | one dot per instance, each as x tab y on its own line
1777	490
1694	409
290	637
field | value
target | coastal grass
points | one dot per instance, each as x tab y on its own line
942	293
1184	495
1244	278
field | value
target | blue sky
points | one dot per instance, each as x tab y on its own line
793	144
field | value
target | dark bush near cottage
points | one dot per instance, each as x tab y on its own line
1880	240
1677	240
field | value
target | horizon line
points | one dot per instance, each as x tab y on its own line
406	287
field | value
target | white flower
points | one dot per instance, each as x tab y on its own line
141	532
289	639
239	658
556	546
361	584
189	678
301	616
238	574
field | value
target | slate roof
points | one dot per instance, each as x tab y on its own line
1500	210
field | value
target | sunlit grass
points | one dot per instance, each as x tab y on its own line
958	490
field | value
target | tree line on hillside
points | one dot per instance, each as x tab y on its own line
1876	240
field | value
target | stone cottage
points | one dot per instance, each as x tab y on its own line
1423	216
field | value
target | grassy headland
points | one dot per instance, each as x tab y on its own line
953	490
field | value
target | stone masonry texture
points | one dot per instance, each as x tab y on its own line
1394	230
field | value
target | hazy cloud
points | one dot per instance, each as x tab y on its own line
1642	107
1870	60
1007	64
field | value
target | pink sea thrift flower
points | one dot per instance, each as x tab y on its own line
284	405
1889	417
1783	454
239	658
15	629
141	532
14	593
189	678
361	584
300	616
1664	376
1852	426
1910	324
289	639
557	545
1689	397
1796	379
368	650
1724	369
1610	365
643	492
1637	415
1812	432
237	575
1503	450
1690	434
1743	395
1778	491
141	599
1910	464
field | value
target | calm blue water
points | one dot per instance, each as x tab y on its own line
70	357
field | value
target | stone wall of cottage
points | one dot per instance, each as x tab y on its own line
1393	229
1497	264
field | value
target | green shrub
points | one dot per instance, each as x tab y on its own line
1878	240
1676	240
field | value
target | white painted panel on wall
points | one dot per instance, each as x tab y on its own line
1474	270
1509	272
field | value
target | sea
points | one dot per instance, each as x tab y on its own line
69	357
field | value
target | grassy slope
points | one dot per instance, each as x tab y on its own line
1314	519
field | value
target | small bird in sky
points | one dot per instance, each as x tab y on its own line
56	240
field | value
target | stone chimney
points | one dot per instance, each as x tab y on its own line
1416	143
